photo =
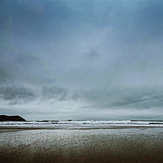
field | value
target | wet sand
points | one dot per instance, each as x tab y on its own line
114	145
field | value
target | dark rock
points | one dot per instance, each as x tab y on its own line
11	118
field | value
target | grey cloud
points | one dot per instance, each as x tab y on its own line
48	39
95	54
5	74
152	14
140	98
76	95
20	95
54	93
16	95
130	100
91	55
19	67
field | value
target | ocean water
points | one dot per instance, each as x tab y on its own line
85	124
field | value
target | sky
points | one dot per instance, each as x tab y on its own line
81	59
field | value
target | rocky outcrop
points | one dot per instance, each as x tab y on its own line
11	118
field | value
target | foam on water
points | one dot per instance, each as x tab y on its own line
87	123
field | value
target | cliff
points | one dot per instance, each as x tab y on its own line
11	118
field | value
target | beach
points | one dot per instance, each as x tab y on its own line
61	145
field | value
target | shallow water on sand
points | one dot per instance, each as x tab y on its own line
90	145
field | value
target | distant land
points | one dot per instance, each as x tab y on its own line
11	118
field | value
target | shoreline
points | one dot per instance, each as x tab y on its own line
123	145
76	127
83	146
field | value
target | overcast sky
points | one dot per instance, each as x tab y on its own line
81	59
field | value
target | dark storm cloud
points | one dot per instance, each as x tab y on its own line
141	98
20	95
16	95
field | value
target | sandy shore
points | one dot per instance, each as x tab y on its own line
115	145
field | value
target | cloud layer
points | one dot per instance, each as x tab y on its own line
81	58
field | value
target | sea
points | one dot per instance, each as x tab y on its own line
83	123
